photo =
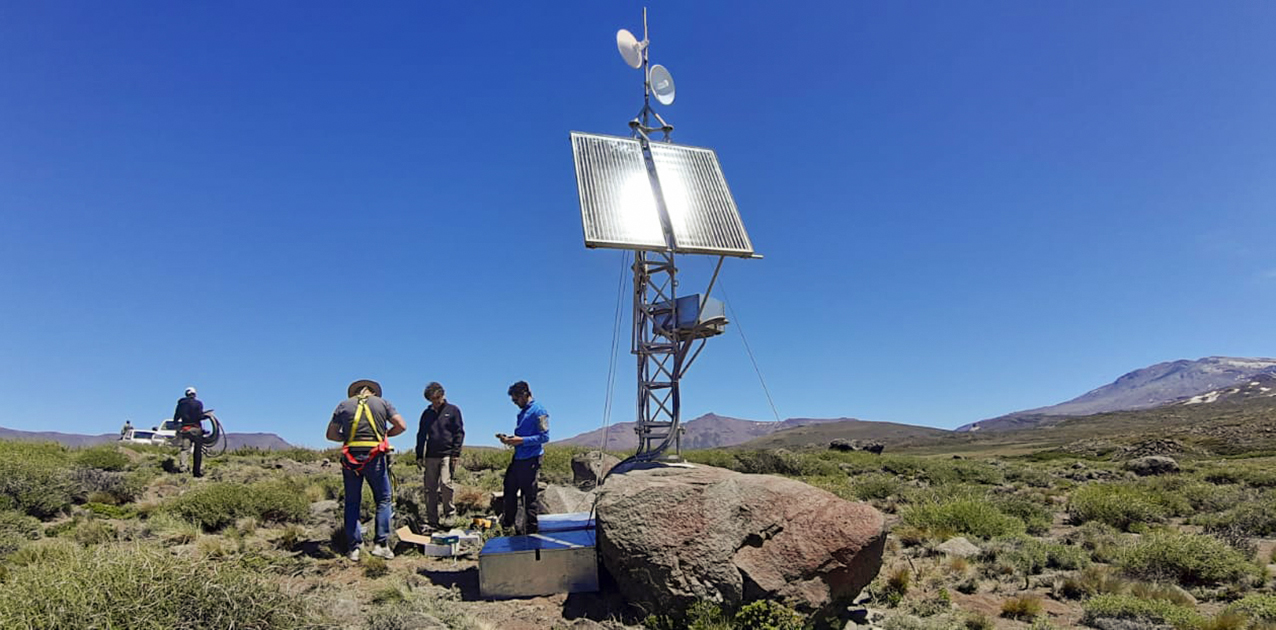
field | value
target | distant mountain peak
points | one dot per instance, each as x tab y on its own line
708	430
1144	388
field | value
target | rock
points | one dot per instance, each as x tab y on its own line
588	469
873	447
564	500
420	621
1152	465
323	507
1108	623
585	624
959	547
674	535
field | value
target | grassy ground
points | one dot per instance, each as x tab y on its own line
103	538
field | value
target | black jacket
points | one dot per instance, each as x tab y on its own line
189	411
441	432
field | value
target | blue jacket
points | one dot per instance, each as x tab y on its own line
533	427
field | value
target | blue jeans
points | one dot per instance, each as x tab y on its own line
378	476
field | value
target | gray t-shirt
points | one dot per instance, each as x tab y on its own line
381	410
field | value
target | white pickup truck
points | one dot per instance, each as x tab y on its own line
163	435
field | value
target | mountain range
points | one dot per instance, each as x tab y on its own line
1146	388
707	431
264	441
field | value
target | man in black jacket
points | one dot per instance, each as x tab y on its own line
438	449
189	417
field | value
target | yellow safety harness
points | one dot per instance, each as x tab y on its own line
379	447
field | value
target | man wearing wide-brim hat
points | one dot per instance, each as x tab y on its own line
362	423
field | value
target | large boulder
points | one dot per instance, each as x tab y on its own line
556	499
588	469
866	446
674	535
1152	465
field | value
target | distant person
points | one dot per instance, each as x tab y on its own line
530	434
190	432
128	426
362	423
438	449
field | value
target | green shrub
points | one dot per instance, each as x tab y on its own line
1255	518
1029	477
16	529
1117	504
1022	607
1262	607
95	532
765	614
1036	516
216	505
131	586
949	471
1031	556
716	457
374	567
1190	559
963	515
701	615
34	478
875	487
1157	611
111	511
102	458
784	463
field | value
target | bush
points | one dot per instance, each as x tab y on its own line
949	471
102	458
963	515
1157	611
34	478
104	486
216	505
130	586
765	614
1261	607
784	463
1030	556
1116	504
1255	518
1036	517
1023	608
875	487
1190	559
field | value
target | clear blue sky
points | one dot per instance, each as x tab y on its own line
966	209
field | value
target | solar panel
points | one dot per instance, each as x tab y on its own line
618	207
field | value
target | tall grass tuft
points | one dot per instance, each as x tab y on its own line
132	586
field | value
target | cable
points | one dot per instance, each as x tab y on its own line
615	344
740	327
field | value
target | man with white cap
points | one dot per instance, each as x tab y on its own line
362	423
190	432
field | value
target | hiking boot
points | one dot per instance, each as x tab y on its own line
382	551
354	555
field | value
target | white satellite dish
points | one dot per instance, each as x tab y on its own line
630	48
661	84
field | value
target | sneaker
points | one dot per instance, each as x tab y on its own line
354	555
382	551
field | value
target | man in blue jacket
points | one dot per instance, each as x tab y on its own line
530	435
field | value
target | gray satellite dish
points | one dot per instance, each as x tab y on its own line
630	48
661	84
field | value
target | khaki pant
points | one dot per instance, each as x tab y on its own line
438	481
190	449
